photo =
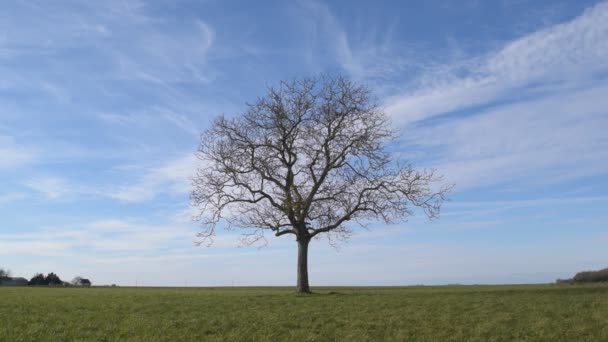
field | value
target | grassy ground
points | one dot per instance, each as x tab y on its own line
445	313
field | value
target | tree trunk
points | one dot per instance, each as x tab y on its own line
302	286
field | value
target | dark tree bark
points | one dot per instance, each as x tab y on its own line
309	158
302	284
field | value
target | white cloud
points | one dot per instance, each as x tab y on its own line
553	139
181	121
60	188
571	52
171	177
12	154
159	115
113	250
369	55
338	38
355	264
50	187
165	52
549	109
39	248
101	236
11	197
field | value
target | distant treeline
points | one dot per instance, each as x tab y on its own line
588	277
52	279
49	279
39	279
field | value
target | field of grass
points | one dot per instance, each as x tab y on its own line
423	313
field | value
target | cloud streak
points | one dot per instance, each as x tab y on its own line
371	55
171	177
13	154
569	53
531	112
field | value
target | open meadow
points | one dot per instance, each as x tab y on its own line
419	313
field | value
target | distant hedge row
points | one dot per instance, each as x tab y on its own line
591	276
49	279
588	277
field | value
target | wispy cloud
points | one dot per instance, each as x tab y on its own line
171	177
99	36
147	182
368	56
153	115
564	55
103	236
547	109
556	138
12	154
11	197
51	188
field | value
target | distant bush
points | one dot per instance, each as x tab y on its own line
4	274
591	276
565	281
53	279
37	279
50	279
80	281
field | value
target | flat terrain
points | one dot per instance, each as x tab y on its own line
423	313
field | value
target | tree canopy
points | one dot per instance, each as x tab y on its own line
310	157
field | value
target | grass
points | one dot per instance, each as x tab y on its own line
422	313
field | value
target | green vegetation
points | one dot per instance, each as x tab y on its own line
600	276
591	276
49	279
422	313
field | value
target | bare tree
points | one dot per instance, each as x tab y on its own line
4	273
308	158
77	281
80	281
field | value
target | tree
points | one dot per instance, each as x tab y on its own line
37	279
591	276
80	281
309	158
52	279
4	274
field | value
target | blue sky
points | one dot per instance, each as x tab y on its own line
102	102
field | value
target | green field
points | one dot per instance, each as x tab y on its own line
422	313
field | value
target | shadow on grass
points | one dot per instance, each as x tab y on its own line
320	294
